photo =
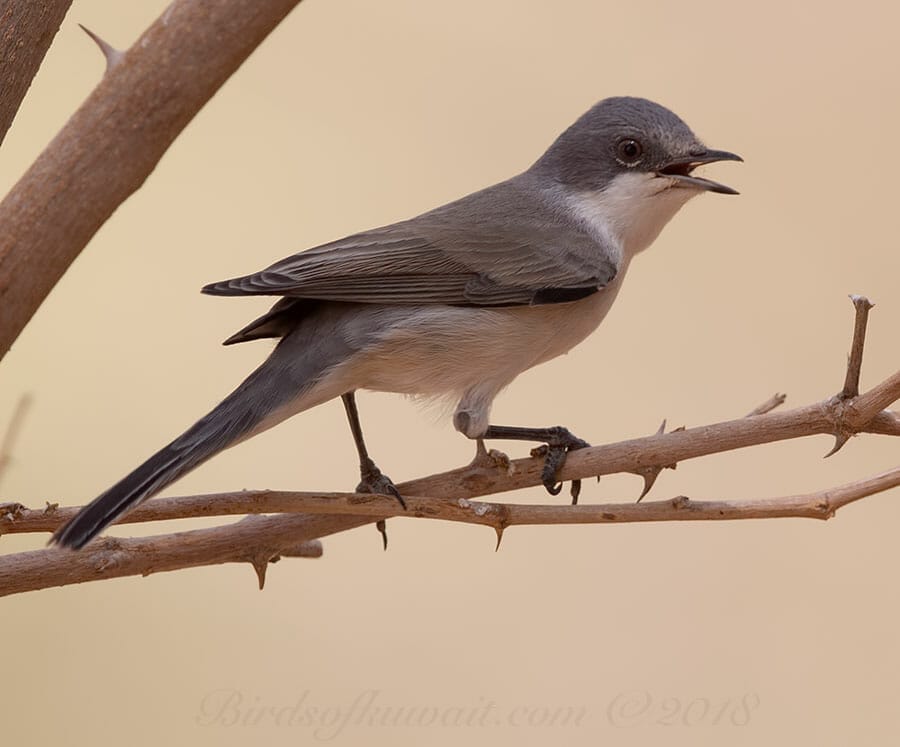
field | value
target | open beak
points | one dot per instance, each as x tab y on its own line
680	170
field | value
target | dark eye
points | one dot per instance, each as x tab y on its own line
629	152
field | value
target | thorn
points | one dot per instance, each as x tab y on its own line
381	526
839	440
649	476
499	530
111	54
260	565
651	473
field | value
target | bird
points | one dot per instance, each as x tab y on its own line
452	304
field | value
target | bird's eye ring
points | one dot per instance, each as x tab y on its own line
629	152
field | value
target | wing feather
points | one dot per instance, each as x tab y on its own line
505	245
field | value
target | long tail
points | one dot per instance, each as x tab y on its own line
292	379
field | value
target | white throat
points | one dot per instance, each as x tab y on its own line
632	210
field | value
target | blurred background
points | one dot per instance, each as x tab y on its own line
354	114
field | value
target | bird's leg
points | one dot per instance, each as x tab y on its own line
372	480
559	442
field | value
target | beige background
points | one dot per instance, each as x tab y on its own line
359	113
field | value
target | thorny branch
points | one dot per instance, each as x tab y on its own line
26	30
256	540
818	505
448	496
147	96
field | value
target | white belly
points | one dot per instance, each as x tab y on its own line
471	354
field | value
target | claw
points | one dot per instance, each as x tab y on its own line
557	443
555	454
373	480
575	491
392	489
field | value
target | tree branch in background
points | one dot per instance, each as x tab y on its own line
8	440
115	139
26	29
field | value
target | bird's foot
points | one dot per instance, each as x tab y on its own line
560	442
373	480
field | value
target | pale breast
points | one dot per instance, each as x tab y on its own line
440	350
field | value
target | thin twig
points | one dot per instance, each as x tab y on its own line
854	362
776	400
818	505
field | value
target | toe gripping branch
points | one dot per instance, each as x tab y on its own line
558	442
373	480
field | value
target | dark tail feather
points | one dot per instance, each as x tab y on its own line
158	471
281	379
216	431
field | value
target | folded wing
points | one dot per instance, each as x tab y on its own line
499	247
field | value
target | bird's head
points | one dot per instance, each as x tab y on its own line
631	162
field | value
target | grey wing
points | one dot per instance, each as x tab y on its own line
494	248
